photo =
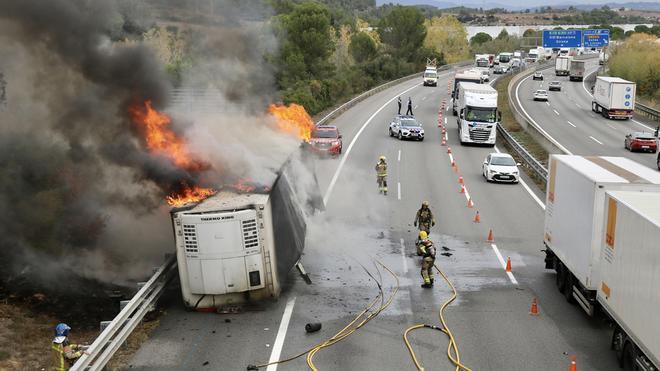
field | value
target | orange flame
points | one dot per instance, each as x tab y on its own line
293	120
160	138
189	195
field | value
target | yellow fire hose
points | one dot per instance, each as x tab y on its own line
347	330
455	358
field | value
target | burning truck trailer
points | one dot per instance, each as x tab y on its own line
238	246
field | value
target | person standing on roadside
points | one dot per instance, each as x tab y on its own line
399	103
410	108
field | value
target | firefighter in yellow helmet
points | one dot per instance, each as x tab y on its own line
381	175
423	236
428	260
424	218
64	353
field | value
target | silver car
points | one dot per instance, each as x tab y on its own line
541	95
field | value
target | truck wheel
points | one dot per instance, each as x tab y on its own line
568	289
560	278
617	345
391	133
628	361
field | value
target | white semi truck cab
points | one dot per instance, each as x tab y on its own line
478	115
465	76
504	60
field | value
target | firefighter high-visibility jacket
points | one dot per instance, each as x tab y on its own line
63	354
381	169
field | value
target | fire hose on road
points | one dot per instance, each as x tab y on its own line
454	357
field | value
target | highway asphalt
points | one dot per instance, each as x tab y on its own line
490	318
567	117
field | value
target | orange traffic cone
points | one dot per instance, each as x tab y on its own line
444	142
490	236
573	364
455	167
448	149
444	130
462	188
477	218
508	264
534	310
470	203
460	180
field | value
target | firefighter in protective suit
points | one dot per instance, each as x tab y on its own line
423	236
424	218
381	175
428	260
64	353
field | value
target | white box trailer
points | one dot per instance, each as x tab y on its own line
478	115
563	65
575	196
577	70
238	247
629	288
614	97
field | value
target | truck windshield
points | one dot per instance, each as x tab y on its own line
430	75
505	58
479	114
482	63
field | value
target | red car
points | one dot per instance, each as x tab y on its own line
641	142
326	140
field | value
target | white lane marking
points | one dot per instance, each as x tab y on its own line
548	103
596	140
555	111
585	80
326	197
281	334
570	123
447	110
403	257
501	259
527	188
550	138
415	106
611	126
639	123
399	156
445	121
398	190
424	97
578	106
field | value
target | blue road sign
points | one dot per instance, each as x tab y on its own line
562	38
596	38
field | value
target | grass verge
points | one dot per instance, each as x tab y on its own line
518	132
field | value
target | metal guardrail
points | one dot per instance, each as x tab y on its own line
648	111
531	162
339	110
113	336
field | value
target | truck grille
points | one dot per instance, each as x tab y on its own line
250	235
190	238
479	135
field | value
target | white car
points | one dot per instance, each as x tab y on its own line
406	127
500	167
541	95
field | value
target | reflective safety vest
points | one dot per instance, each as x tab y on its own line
62	353
427	251
381	169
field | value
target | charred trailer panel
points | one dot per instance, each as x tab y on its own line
239	247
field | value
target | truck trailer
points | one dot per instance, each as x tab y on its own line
465	76
576	72
575	200
629	286
478	115
236	247
562	65
614	97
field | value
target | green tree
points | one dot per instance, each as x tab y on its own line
530	33
403	31
655	30
448	36
362	47
643	29
308	31
503	34
616	33
480	38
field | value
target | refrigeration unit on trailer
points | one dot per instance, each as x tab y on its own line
481	60
575	196
239	247
614	97
465	76
629	286
478	115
